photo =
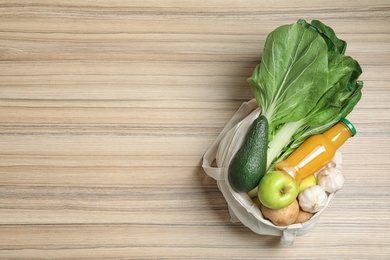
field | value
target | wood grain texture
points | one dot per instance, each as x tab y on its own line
106	108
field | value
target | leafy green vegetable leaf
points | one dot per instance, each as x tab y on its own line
327	33
341	71
292	75
304	84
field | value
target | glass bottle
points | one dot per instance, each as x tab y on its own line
316	151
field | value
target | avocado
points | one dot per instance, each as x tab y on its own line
249	163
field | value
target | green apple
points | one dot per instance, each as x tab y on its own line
307	182
277	190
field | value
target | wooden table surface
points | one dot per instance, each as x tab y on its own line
107	107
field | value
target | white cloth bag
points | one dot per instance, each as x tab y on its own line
241	208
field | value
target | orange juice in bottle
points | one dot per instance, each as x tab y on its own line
317	151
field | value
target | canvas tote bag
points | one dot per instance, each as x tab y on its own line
240	206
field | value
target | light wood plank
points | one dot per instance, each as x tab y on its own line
107	107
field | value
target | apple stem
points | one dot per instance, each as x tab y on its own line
287	188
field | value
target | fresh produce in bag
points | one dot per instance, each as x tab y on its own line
304	87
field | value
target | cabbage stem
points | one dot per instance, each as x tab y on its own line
281	139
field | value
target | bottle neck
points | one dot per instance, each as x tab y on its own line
338	134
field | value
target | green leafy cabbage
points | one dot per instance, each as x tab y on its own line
304	84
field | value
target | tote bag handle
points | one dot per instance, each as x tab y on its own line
216	172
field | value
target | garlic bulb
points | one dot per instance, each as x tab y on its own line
331	179
313	199
336	161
